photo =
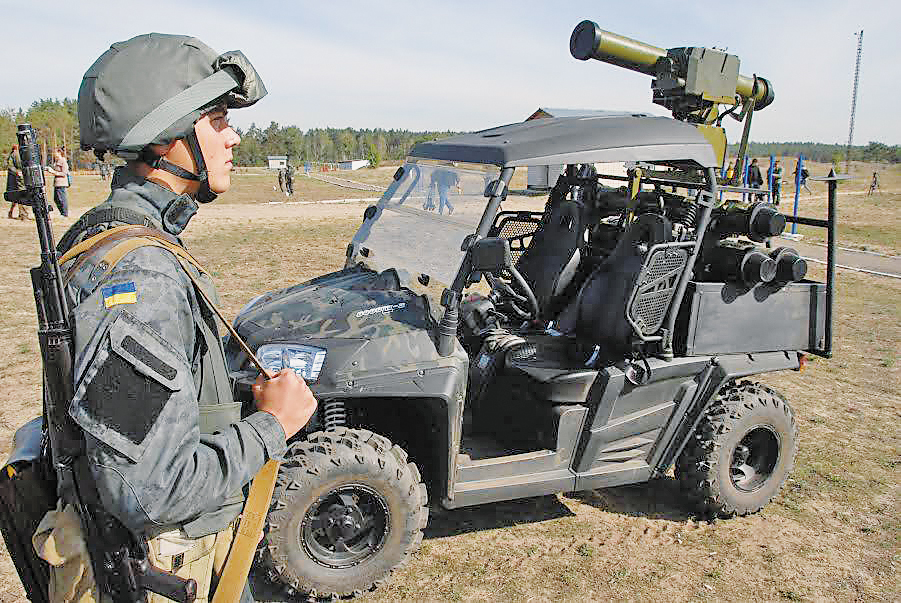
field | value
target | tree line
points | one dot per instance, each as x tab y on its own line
56	122
824	153
326	144
57	125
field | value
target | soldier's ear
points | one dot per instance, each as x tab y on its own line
163	149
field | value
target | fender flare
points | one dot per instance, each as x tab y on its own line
697	398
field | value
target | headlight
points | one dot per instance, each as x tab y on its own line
305	360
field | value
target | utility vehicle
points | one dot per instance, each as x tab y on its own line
483	344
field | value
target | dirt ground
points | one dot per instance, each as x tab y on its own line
833	534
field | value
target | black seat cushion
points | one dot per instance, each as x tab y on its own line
555	366
552	258
598	314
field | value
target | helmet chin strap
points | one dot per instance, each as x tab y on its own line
204	194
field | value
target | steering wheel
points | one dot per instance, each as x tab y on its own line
517	294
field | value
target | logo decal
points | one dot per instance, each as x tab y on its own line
381	310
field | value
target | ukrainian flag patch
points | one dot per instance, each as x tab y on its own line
124	293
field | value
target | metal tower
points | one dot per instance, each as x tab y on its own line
854	101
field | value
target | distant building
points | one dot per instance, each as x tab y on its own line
277	161
353	164
543	177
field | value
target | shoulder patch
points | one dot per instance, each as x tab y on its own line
127	387
125	402
123	293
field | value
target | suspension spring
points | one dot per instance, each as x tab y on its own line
334	414
684	213
691	216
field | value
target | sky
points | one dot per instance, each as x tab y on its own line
466	65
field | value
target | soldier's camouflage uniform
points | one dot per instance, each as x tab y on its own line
166	444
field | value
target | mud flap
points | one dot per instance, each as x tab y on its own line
27	493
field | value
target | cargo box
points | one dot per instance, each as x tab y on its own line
728	318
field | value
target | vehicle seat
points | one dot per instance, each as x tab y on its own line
555	366
598	313
552	258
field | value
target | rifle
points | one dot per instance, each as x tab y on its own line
119	559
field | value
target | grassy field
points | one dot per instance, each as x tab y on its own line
871	223
833	534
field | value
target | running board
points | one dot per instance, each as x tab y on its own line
515	476
513	487
618	474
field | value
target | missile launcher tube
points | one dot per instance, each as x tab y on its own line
746	265
790	266
588	41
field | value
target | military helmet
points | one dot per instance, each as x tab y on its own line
152	88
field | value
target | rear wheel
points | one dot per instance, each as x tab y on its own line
347	510
742	452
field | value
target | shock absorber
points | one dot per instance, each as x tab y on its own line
334	414
681	211
689	215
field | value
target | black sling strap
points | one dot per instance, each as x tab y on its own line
101	215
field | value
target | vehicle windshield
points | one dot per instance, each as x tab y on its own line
419	224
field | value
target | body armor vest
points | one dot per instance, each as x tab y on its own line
87	264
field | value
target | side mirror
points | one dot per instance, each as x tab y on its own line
491	254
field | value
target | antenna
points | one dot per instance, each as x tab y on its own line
854	101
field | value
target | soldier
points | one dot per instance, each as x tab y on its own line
14	182
289	180
281	179
803	179
755	179
777	182
166	447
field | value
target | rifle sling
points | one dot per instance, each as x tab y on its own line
114	233
250	529
108	236
103	215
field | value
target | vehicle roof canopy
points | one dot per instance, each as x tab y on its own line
569	140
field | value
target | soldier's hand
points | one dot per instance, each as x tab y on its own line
286	397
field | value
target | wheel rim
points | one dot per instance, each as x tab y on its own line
754	458
345	527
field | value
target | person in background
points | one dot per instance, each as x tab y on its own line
776	193
755	179
60	171
14	182
281	179
289	179
803	181
874	184
442	180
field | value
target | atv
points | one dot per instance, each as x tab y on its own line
592	342
485	344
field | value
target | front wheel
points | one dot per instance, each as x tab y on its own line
348	509
742	452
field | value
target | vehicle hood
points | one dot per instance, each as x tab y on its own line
350	304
